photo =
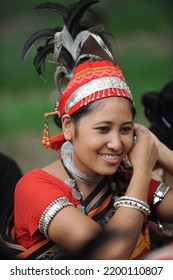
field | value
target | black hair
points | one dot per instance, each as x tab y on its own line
85	110
88	108
158	108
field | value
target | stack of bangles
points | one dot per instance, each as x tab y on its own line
132	202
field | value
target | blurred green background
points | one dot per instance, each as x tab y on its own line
143	32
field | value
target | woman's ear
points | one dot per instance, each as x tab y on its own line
67	126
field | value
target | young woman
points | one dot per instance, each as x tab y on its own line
91	190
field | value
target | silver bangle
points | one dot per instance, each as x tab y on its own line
133	203
160	192
135	200
50	212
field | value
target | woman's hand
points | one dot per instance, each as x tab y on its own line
144	153
165	155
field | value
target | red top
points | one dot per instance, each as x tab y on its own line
35	191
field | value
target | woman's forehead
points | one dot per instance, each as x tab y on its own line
114	101
109	110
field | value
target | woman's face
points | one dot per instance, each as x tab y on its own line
104	136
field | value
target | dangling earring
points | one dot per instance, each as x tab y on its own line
46	136
67	150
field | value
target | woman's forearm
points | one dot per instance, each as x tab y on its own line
166	158
127	222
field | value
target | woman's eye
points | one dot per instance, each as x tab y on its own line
103	129
126	130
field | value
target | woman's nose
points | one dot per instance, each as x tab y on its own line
115	143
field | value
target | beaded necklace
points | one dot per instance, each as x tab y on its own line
76	193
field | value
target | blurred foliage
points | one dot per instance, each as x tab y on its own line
143	33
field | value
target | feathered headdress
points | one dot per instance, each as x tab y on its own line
85	57
69	44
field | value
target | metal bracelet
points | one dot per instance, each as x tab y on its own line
133	203
50	212
134	199
160	192
136	206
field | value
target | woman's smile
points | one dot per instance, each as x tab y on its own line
111	158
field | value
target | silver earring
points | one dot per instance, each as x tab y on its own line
135	139
67	150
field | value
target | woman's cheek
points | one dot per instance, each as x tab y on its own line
130	144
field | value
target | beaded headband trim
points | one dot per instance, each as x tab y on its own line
94	86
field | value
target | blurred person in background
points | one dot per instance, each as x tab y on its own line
10	173
158	109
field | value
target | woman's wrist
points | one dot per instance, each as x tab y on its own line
166	158
132	202
139	185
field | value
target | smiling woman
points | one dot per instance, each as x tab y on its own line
89	190
109	139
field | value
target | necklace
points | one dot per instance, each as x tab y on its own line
66	153
76	193
80	175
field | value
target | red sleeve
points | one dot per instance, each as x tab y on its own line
34	192
153	186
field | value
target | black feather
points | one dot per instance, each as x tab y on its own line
72	16
36	38
75	15
39	59
55	7
66	59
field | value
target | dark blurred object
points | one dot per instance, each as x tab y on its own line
158	108
5	252
10	173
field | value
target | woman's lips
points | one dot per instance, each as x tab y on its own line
111	158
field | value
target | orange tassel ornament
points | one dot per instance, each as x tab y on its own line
46	136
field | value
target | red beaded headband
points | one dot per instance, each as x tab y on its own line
92	81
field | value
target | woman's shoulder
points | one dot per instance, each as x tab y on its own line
41	185
38	179
33	175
